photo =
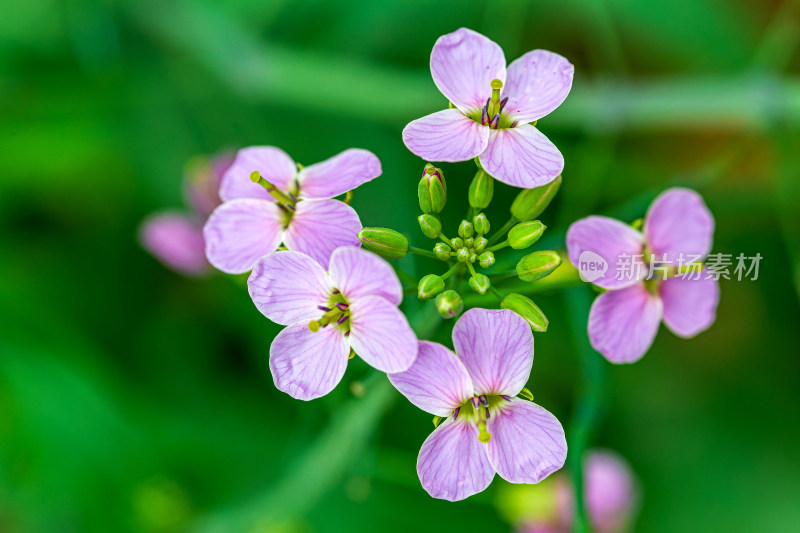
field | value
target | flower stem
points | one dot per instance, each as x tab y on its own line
498	246
503	230
422	252
450	271
591	396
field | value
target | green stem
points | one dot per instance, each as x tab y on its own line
589	405
503	230
498	246
445	240
450	271
422	252
499	295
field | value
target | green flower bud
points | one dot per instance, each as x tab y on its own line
430	286
528	310
462	255
538	265
481	190
481	224
480	244
456	243
479	283
385	242
465	229
449	304
432	190
486	259
430	226
531	203
469	242
442	251
524	234
473	257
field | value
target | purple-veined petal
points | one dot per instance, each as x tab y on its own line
381	336
496	347
463	65
176	241
288	287
606	252
358	273
452	463
339	174
318	227
623	323
690	305
447	136
537	84
522	157
274	165
240	232
437	382
305	364
527	443
678	222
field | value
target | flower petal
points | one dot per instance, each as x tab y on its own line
240	232
437	382
358	273
176	241
274	165
615	243
496	347
446	136
527	444
288	287
318	227
537	84
679	222
610	490
381	336
202	180
623	323
305	364
339	174
463	65
452	463
690	305
522	157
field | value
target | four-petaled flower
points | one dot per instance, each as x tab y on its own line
494	109
623	321
176	239
352	306
487	429
269	201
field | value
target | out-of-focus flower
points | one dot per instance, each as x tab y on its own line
353	306
624	320
269	200
487	429
610	494
494	109
176	238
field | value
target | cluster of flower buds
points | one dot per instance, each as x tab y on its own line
473	246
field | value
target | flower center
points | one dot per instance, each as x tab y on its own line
337	312
478	410
491	114
287	201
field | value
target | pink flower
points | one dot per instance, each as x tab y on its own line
487	429
298	210
494	107
176	239
352	306
623	321
610	494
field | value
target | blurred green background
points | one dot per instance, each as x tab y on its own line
133	399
